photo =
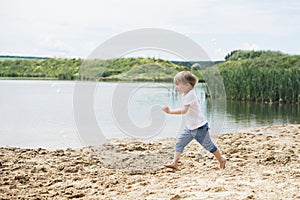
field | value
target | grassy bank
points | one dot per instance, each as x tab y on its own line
120	69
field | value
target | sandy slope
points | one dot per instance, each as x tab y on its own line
263	163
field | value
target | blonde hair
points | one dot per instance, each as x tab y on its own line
186	77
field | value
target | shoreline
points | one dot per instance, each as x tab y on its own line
262	163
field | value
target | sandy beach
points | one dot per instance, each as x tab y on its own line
262	163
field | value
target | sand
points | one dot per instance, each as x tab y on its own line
262	163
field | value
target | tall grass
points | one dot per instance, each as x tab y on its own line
261	76
262	84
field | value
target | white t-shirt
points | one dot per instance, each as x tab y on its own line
194	118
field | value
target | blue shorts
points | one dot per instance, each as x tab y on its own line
201	134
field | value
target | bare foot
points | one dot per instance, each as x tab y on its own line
222	163
172	166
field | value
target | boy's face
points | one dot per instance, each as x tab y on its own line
183	88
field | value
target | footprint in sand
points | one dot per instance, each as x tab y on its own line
133	160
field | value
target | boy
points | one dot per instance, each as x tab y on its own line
197	125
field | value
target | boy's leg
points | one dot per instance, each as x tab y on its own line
220	158
174	164
204	139
182	140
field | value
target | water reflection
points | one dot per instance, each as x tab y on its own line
251	114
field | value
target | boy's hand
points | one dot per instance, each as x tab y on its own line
166	109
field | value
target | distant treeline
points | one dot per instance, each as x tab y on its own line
22	57
193	64
120	69
262	76
47	68
129	69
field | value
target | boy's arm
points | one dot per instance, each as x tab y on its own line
183	110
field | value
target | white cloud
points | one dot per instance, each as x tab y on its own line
52	44
250	46
221	53
214	41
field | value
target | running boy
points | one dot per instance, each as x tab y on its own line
196	124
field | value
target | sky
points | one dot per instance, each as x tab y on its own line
74	29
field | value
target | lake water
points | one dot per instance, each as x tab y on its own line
43	113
